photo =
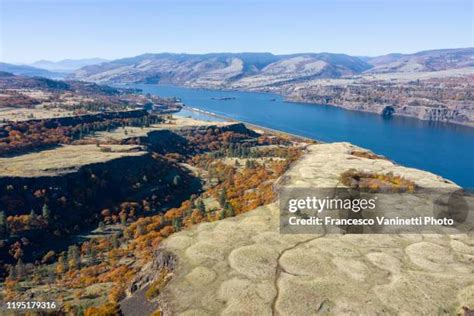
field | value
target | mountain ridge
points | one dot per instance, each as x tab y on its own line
25	70
66	65
188	68
218	69
430	60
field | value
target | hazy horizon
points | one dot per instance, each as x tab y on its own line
33	30
223	52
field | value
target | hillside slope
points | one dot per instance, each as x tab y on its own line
431	60
228	69
220	68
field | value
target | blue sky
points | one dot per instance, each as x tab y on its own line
59	29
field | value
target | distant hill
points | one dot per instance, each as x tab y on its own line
220	68
247	70
431	60
67	65
11	81
30	71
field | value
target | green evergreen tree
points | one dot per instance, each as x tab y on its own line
229	210
176	224
231	150
80	311
51	273
162	220
74	257
32	215
20	269
245	152
114	241
123	219
223	197
3	225
12	275
37	274
46	213
93	256
201	207
237	150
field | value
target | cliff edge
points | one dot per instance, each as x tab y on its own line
244	266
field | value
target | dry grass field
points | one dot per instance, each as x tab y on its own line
178	122
61	160
23	114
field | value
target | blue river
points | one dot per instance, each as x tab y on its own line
441	148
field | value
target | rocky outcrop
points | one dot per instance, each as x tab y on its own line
438	100
245	266
136	303
162	259
434	114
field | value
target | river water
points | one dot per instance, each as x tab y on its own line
441	148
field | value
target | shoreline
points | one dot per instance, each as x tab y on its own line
251	125
288	99
395	115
